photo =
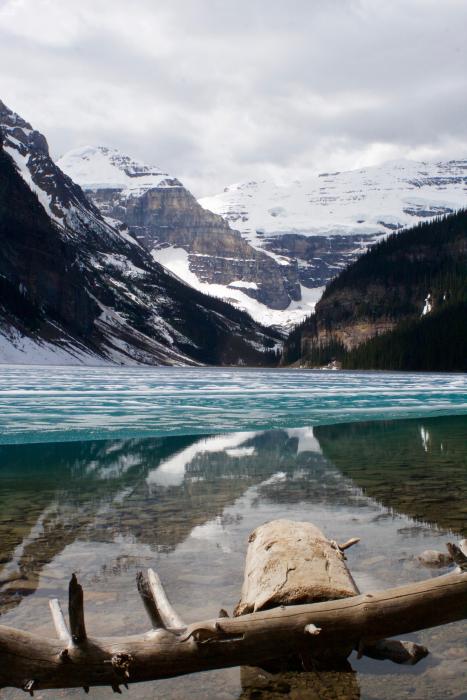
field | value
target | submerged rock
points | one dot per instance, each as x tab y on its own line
433	559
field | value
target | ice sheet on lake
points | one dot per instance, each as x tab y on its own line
41	404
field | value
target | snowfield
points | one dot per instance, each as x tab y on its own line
176	261
100	168
368	201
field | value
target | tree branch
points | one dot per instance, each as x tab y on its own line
31	662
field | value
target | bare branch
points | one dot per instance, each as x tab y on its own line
59	621
169	617
76	611
349	543
145	592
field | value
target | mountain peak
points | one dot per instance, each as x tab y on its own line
19	134
100	167
76	289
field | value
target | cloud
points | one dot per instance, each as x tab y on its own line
216	92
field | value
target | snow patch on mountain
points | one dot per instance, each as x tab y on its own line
427	305
18	349
101	168
176	260
21	163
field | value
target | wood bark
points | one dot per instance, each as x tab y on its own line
291	562
33	662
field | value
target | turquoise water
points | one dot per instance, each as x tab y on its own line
107	472
55	404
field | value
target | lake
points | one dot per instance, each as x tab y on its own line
107	472
72	403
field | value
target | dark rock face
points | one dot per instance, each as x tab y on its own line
69	279
25	143
165	216
42	289
321	257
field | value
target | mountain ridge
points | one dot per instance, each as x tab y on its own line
327	221
166	218
78	289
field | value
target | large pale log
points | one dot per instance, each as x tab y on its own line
32	662
291	562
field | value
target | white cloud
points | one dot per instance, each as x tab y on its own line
217	92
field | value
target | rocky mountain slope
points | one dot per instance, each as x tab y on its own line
436	342
197	245
416	277
328	221
76	289
267	248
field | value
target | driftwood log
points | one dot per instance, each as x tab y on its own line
289	563
172	648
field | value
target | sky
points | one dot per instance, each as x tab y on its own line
221	91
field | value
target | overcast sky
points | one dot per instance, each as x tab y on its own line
217	91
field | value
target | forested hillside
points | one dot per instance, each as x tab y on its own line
402	305
437	342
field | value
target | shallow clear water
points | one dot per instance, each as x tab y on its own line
72	403
185	505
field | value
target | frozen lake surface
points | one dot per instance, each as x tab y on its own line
45	404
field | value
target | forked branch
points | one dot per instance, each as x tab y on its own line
321	630
160	611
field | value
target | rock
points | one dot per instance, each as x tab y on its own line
319	256
433	559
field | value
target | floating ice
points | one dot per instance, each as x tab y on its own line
42	404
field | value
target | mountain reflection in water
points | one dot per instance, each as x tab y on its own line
186	505
416	467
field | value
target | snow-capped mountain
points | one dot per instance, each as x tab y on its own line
327	221
198	246
73	288
267	248
63	200
101	168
